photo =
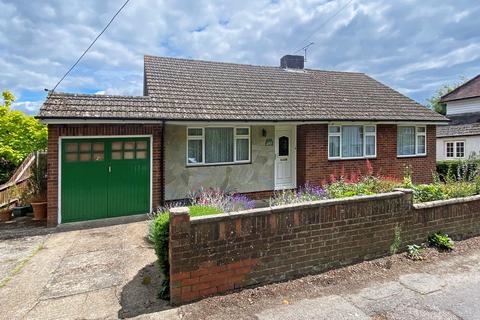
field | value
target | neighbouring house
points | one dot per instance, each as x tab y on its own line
245	128
461	138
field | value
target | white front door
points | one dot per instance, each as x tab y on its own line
285	156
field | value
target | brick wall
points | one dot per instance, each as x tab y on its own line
313	164
215	254
55	131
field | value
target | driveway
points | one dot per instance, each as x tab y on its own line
106	272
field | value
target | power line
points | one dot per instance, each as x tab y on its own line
91	45
322	25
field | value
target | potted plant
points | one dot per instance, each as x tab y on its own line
5	214
38	183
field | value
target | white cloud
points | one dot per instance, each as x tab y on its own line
405	44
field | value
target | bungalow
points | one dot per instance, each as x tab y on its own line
245	128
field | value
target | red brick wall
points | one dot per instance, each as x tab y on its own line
313	164
218	253
55	131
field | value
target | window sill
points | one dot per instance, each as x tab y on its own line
412	156
217	164
354	158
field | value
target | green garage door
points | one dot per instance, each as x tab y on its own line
104	178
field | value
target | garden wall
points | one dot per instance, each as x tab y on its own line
215	254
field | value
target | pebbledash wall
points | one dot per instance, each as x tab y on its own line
56	131
313	164
214	254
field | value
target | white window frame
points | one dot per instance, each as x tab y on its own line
339	134
235	138
455	148
417	134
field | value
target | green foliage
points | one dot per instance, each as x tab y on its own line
343	189
7	169
458	170
458	189
415	252
397	240
19	134
158	232
434	101
158	235
440	240
427	192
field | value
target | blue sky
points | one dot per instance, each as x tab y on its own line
414	46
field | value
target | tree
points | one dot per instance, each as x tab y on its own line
434	101
20	134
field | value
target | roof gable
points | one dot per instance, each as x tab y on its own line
470	89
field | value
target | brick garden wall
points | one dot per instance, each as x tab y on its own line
215	254
313	164
57	131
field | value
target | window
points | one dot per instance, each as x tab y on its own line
352	141
129	150
454	149
84	151
218	145
411	141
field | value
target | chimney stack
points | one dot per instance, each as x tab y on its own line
291	62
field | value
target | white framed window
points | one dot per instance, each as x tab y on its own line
352	141
411	141
455	149
218	145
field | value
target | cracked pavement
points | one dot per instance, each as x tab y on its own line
100	273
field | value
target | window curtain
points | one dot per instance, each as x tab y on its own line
218	145
242	149
406	141
352	141
195	151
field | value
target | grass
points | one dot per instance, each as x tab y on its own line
20	266
197	211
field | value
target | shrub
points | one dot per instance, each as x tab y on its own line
427	192
222	200
458	189
458	170
308	192
343	189
158	235
440	240
415	252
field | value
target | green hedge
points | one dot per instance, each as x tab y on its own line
158	235
454	169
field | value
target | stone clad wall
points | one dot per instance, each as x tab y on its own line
249	177
215	254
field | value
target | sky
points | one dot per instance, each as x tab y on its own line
414	46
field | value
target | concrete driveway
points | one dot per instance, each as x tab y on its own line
106	272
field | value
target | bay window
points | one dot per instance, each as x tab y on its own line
218	145
411	141
352	141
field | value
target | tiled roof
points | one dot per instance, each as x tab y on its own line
470	89
471	129
180	89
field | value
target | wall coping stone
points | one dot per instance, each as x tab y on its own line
441	203
295	206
